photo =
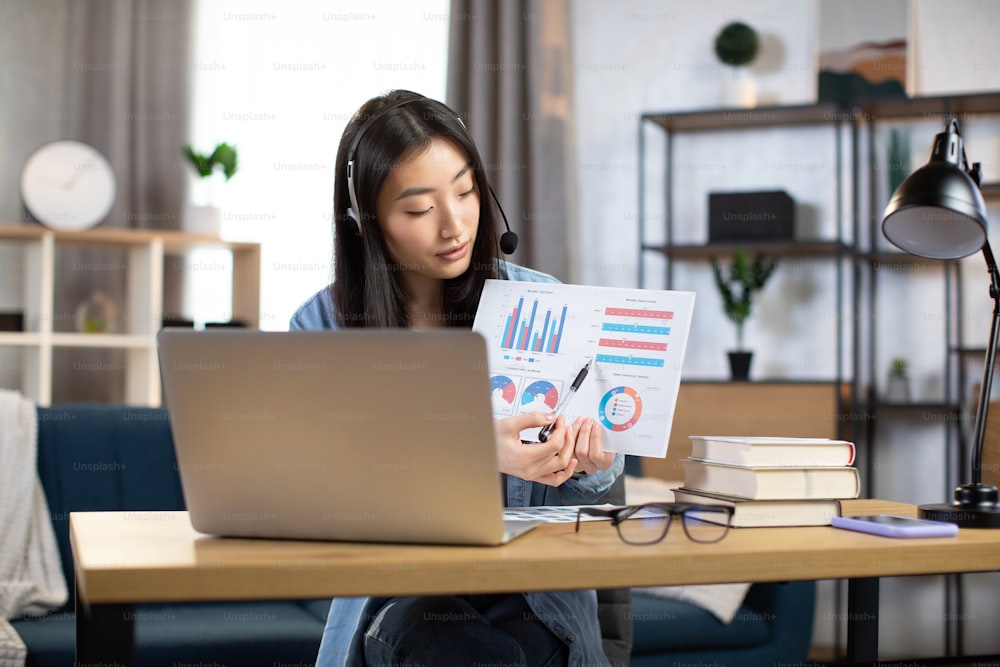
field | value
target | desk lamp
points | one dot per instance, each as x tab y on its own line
939	212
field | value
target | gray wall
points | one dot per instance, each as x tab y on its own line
649	55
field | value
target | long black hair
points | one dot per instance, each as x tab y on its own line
367	290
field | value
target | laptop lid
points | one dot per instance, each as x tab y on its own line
366	435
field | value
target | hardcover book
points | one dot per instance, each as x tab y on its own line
770	482
772	451
760	513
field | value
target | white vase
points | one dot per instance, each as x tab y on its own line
739	90
203	220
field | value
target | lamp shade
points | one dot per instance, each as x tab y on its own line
938	211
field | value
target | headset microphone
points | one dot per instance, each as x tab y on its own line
508	240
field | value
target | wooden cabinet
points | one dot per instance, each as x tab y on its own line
805	409
44	333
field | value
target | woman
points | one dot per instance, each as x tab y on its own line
415	241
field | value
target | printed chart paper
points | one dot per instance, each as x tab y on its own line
551	513
540	335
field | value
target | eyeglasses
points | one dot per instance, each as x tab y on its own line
649	523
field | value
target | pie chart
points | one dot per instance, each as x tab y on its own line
620	408
503	387
538	395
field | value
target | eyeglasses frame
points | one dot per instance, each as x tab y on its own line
624	512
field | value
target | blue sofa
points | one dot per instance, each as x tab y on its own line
96	458
773	626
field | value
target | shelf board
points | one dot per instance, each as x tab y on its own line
861	109
115	341
898	260
928	108
25	339
990	190
735	118
798	381
785	249
925	406
972	352
173	240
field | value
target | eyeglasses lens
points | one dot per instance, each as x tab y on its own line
708	524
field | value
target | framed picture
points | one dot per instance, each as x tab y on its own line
862	49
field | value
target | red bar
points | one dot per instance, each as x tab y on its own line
636	312
632	344
509	343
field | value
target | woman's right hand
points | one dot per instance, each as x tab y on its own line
551	462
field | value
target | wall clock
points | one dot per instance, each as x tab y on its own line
68	185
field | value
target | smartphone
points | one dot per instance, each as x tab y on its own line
895	526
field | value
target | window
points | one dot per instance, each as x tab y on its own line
280	80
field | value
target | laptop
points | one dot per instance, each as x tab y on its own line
357	435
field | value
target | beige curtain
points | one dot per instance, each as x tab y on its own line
509	77
114	74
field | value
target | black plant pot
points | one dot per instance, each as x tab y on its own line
739	365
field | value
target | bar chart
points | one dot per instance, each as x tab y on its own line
531	330
539	335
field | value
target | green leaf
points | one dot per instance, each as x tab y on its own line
737	44
737	289
223	156
201	163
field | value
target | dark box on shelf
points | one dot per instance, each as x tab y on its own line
11	321
751	216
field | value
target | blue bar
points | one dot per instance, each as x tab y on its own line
632	361
531	321
545	329
506	333
636	328
562	322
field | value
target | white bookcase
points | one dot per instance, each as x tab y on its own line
143	307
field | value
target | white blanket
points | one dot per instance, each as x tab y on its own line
31	578
722	600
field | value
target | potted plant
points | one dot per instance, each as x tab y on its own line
204	216
737	289
736	45
898	387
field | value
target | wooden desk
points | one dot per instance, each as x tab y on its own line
123	558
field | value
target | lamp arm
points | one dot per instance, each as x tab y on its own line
991	352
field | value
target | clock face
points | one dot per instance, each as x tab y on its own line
68	185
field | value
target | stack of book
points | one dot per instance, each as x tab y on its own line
771	481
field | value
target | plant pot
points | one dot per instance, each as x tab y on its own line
740	90
897	389
739	365
203	220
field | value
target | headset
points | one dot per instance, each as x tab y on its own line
508	240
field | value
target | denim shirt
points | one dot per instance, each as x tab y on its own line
570	615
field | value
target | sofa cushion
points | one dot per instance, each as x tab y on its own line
96	458
662	625
320	609
249	634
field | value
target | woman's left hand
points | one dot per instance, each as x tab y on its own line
589	450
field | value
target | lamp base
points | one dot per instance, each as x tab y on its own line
975	506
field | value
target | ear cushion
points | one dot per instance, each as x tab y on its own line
354	216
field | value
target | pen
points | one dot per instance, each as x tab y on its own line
546	431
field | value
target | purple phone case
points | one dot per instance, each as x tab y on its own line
914	527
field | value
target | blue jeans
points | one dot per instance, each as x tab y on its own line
461	630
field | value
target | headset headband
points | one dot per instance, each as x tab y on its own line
508	240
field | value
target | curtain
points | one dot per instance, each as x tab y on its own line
509	79
114	74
